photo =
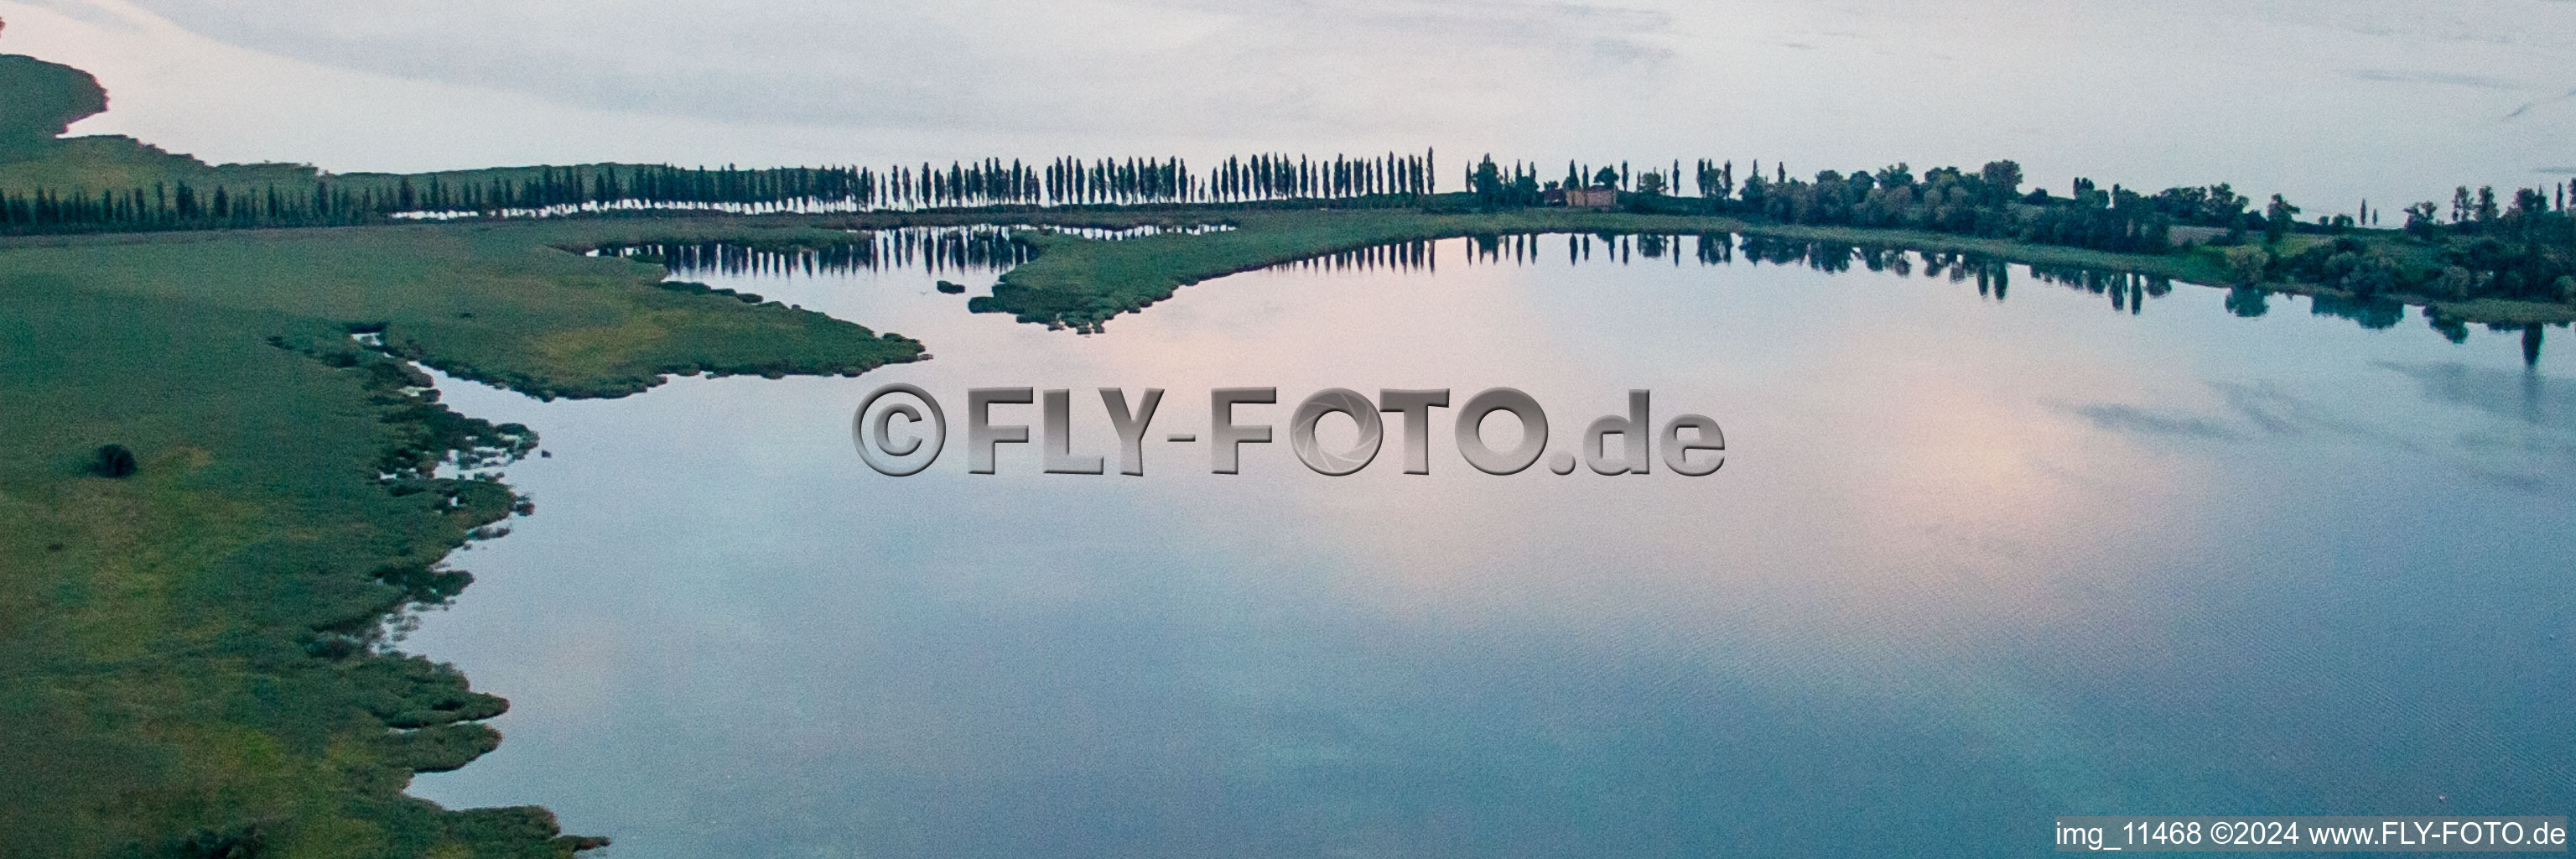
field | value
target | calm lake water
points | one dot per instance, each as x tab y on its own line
1972	563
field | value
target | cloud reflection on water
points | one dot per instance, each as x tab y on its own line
1923	584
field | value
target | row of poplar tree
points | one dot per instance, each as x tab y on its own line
1390	179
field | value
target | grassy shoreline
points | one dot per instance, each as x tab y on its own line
196	648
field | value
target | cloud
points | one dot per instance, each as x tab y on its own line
2531	449
2527	106
2439	78
420	84
2279	412
1160	66
2134	420
2524	396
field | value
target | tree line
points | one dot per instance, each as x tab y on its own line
2520	246
2517	245
375	198
1391	179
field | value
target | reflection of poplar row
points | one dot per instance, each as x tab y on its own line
937	250
930	250
1517	248
1417	255
2127	291
1716	249
1525	249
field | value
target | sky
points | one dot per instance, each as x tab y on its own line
2327	100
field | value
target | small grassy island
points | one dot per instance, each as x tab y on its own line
221	472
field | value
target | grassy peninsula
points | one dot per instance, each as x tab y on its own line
1082	283
193	665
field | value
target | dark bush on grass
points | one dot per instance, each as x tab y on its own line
114	461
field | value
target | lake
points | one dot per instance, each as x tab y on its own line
1977	558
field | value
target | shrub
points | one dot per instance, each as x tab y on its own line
2247	264
2453	283
114	461
2368	274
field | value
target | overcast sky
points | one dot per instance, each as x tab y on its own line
2327	99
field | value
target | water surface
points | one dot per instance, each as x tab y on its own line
1975	560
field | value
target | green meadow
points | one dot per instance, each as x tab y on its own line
194	662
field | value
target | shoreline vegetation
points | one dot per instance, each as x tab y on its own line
219	493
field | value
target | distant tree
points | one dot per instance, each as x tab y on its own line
2278	217
1608	177
1487	181
2419	219
1896	175
2528	203
2003	178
